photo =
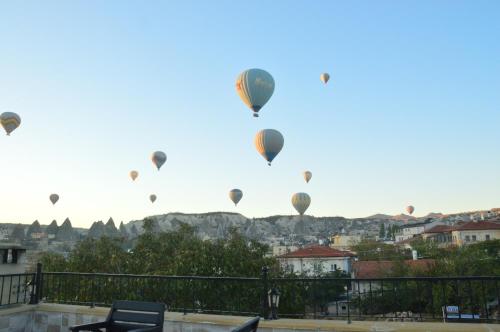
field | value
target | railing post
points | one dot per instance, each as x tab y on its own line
36	290
265	285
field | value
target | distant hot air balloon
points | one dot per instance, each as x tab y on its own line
307	176
255	87
410	209
300	202
54	198
10	121
159	158
325	77
152	198
269	143
134	175
235	195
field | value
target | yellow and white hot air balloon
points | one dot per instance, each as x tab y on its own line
133	175
54	198
301	202
159	158
255	87
325	77
307	176
410	209
235	195
152	198
269	143
10	121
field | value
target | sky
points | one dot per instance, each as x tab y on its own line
410	116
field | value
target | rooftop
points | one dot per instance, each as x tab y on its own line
378	269
317	251
478	225
440	229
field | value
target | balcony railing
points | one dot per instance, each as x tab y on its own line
475	299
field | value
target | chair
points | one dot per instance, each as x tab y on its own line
250	326
131	316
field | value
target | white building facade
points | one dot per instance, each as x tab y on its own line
316	260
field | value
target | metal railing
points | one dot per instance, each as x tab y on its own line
475	299
16	288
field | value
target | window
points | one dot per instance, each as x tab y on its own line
335	267
332	268
473	238
467	238
487	237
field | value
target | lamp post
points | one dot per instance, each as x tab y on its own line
273	298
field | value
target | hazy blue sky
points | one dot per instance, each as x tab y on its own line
411	113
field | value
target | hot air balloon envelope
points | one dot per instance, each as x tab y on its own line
159	158
54	198
10	121
152	198
301	202
235	195
307	176
134	175
325	77
269	143
255	87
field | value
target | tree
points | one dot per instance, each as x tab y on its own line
381	233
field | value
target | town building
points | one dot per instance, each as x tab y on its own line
370	271
13	261
441	234
475	231
411	230
315	260
344	242
463	233
279	250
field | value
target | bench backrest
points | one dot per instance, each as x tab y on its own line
135	313
250	326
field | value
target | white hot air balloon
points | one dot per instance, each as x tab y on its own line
325	77
410	209
269	143
235	195
255	87
152	198
301	202
133	175
159	158
10	121
307	176
54	198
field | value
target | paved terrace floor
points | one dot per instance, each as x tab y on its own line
57	318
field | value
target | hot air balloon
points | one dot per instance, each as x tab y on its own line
54	198
269	143
134	175
152	198
410	209
10	121
307	176
255	87
159	159
325	77
300	202
235	195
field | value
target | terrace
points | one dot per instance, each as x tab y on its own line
53	301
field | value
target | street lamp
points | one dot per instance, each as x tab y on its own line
273	297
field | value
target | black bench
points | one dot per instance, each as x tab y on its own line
129	316
250	326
